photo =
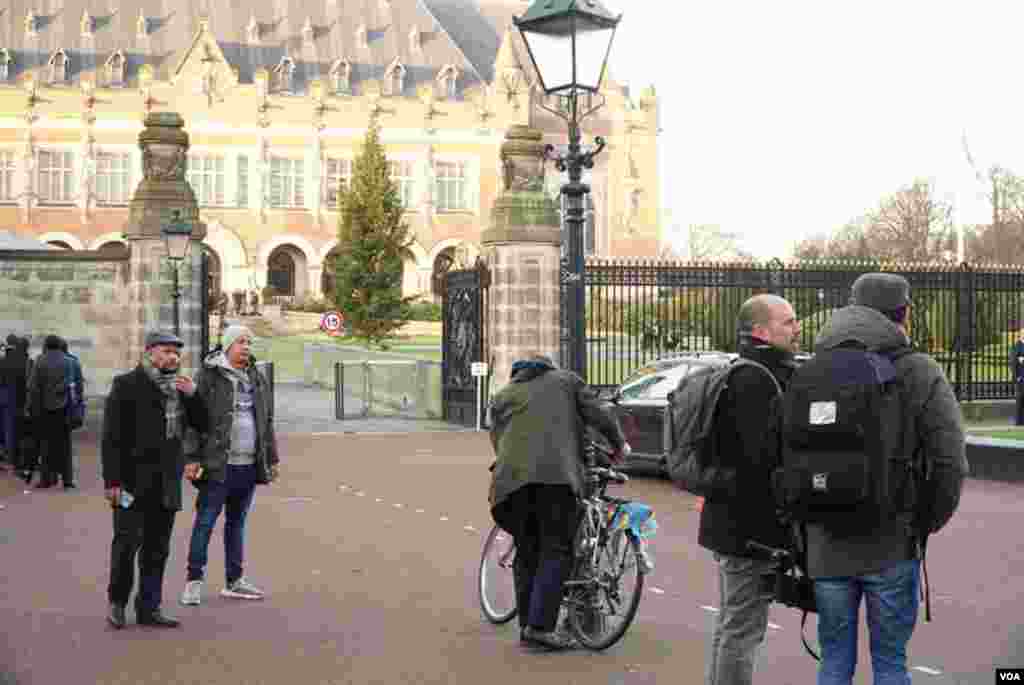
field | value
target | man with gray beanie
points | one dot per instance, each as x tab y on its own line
238	452
884	565
144	422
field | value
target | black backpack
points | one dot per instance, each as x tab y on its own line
689	429
841	442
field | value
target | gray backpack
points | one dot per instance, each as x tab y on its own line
689	427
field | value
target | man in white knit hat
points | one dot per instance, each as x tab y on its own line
238	452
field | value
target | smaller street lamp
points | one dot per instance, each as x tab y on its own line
177	235
569	42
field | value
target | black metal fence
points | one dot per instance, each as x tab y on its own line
966	316
464	341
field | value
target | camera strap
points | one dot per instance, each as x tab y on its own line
803	637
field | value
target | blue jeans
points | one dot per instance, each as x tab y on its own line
892	598
234	495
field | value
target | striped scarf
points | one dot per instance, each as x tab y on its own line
172	401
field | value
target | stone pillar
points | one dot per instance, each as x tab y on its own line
522	247
162	191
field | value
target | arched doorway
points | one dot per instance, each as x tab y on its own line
443	263
214	284
59	243
287	272
327	279
114	249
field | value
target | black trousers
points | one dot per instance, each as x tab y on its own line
54	445
141	531
1020	403
542	519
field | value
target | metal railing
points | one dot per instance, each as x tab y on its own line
966	316
400	388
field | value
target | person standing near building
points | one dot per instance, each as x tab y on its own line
144	422
8	412
238	453
1017	371
47	400
748	447
75	382
882	565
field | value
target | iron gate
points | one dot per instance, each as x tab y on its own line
464	341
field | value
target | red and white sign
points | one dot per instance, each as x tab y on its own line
332	323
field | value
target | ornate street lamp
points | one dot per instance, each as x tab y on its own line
177	237
569	42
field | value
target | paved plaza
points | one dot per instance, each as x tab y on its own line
368	547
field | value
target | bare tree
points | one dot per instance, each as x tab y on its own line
910	225
709	242
849	242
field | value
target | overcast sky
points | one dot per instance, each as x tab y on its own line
783	119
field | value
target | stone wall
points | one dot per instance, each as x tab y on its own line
84	297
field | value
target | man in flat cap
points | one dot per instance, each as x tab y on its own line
884	565
146	414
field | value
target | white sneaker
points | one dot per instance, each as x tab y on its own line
242	589
193	593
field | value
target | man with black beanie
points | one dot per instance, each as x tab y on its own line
48	403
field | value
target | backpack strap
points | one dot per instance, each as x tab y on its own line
743	361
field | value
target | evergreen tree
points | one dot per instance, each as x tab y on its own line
374	243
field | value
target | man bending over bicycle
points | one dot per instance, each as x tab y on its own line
537	430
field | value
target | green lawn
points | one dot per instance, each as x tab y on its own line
1005	433
287	351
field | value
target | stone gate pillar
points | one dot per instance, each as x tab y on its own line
522	247
162	191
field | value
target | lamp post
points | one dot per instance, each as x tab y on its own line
177	236
569	42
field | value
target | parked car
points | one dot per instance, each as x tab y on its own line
642	400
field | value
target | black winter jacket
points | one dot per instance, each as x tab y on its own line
136	454
747	440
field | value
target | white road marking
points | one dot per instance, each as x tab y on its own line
713	610
471	529
419	511
360	494
657	591
316	572
378	500
774	626
444	518
397	506
929	671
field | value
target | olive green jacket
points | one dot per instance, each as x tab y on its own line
537	424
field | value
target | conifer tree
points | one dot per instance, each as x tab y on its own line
373	244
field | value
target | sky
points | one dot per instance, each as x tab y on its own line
785	119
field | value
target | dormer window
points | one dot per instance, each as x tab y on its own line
361	39
58	65
447	82
395	78
86	24
115	70
341	77
30	24
282	77
141	26
252	31
5	64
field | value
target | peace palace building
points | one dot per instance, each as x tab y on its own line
276	98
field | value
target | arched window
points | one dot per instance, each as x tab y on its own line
58	65
341	77
395	79
5	65
114	248
213	275
281	272
283	73
115	70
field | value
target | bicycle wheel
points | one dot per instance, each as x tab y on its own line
496	583
604	603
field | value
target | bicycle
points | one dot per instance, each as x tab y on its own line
609	565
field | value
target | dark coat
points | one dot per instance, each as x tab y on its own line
1017	361
537	422
136	453
747	442
48	386
217	391
932	423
